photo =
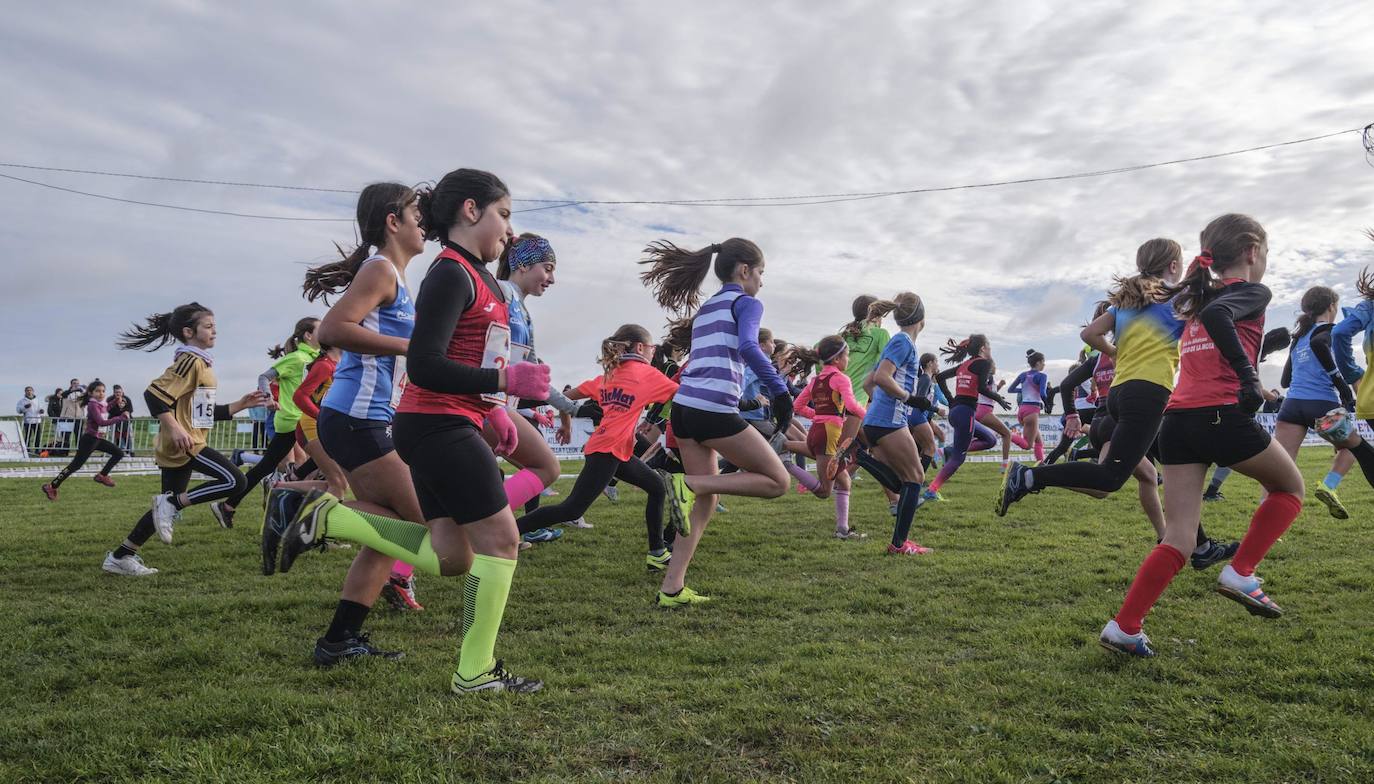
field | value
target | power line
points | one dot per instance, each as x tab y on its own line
740	201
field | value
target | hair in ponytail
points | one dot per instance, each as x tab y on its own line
800	359
619	344
859	309
907	309
925	359
1365	284
439	205
1034	357
307	324
675	274
1147	287
1315	301
90	389
1224	243
376	203
160	329
972	346
678	336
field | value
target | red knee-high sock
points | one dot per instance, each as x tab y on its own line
1271	519
1156	572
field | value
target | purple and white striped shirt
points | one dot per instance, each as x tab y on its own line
721	346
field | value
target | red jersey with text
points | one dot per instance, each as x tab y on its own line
1206	378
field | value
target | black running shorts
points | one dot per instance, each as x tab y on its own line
1224	436
455	472
700	426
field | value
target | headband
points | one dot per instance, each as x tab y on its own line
529	251
917	316
843	348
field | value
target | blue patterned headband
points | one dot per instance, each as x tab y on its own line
528	251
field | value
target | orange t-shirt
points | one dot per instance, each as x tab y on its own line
633	385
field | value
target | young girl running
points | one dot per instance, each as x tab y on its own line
319	376
705	415
1034	388
459	377
92	440
972	374
287	373
826	401
1210	420
183	400
629	384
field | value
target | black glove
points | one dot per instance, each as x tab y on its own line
782	410
1348	403
922	403
750	405
1001	401
1250	396
590	410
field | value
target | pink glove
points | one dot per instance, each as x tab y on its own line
528	380
506	435
543	418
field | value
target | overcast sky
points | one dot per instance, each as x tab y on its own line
668	101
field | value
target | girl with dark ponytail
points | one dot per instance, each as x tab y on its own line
459	376
1210	420
1034	387
705	414
292	358
972	370
866	339
828	400
92	440
183	399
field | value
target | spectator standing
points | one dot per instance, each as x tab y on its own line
72	411
121	433
31	410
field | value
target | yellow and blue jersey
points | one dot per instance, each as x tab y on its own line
1147	344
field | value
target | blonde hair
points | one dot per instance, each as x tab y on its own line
619	344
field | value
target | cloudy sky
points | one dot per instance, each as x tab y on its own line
668	101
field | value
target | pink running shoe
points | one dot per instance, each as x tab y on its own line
50	492
908	548
104	480
920	549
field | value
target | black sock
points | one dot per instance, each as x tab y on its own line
879	470
906	510
348	621
176	500
1201	535
124	551
1364	453
304	470
532	504
925	462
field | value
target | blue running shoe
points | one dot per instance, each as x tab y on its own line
1247	592
542	535
1117	641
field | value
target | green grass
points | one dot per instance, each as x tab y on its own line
818	660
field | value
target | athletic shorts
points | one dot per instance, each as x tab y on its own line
307	430
702	426
1100	430
764	426
455	472
981	411
1026	409
823	439
1305	413
875	433
353	442
917	417
1224	436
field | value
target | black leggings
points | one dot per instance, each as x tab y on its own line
277	449
1138	408
597	470
1085	418
225	479
84	448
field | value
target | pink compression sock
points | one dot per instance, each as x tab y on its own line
804	478
1040	451
841	510
1019	440
522	486
402	570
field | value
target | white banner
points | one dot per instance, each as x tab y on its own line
12	446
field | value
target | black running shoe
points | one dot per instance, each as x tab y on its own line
1215	553
1013	487
223	514
495	679
282	505
307	528
328	654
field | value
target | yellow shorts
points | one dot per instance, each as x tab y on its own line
824	439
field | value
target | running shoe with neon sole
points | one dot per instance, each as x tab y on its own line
307	528
931	495
683	598
1013	487
165	516
680	501
495	679
328	654
1333	502
399	593
1247	592
1118	641
1215	553
129	566
50	492
103	479
658	562
541	535
851	535
282	505
224	513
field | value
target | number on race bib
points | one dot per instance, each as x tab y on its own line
399	379
496	354
203	408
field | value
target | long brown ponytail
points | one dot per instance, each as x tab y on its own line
799	359
160	329
675	274
376	203
859	309
1147	287
1224	243
962	350
307	324
1315	301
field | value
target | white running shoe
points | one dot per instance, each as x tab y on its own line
580	522
164	516
548	492
130	565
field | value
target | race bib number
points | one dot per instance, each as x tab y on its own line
398	380
496	354
519	352
203	408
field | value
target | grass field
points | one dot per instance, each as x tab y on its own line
819	660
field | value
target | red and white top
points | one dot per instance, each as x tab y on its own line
1206	378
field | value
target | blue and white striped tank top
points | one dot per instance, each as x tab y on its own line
715	372
368	386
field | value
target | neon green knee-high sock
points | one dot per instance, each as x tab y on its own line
484	604
400	539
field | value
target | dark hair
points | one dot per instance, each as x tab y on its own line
439	205
86	396
163	328
1146	288
1365	284
1315	301
376	203
969	347
907	309
675	274
1224	242
1033	356
307	324
800	359
618	344
926	359
678	336
859	309
503	266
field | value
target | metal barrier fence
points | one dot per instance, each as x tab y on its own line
58	437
